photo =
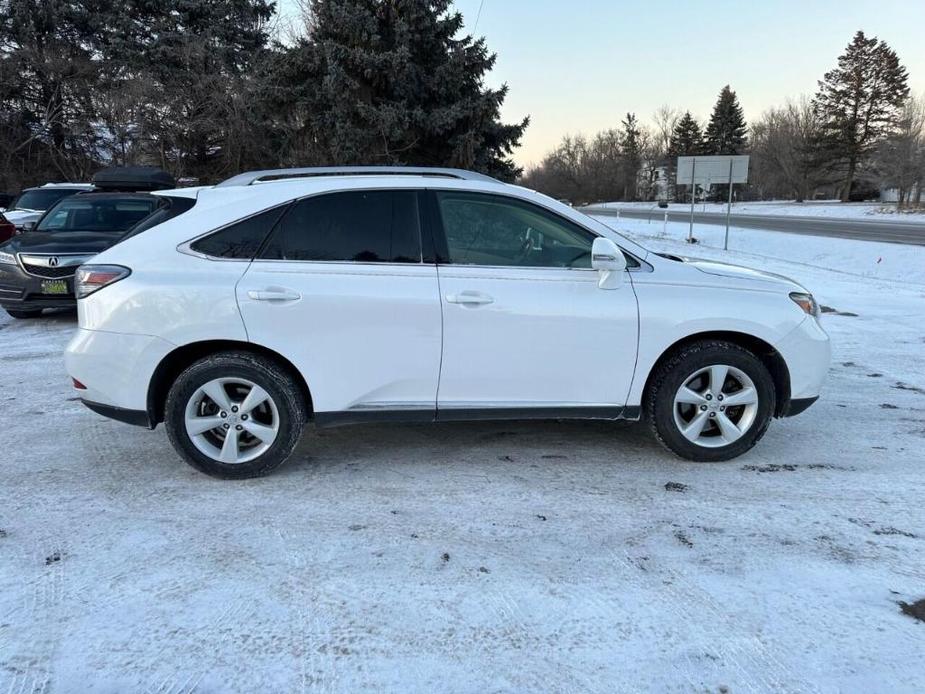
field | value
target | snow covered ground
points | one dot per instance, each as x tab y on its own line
485	557
819	208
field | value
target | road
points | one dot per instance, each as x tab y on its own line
912	233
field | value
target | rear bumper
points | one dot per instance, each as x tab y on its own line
116	369
137	417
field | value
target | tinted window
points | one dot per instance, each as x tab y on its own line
495	230
241	239
85	213
173	207
363	226
41	199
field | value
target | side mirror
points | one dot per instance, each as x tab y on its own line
27	226
608	259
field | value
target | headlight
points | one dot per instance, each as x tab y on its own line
7	258
806	302
92	278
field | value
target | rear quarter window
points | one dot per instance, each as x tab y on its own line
242	239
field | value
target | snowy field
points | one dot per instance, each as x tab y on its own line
527	557
874	211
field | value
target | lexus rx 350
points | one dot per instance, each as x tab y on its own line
398	294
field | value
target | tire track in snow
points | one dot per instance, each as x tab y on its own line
759	668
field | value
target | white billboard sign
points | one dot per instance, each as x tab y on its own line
718	169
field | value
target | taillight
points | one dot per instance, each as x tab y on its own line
92	278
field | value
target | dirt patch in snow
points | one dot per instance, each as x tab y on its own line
675	487
899	385
916	610
836	312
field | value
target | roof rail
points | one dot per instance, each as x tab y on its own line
251	177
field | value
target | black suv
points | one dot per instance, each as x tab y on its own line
37	267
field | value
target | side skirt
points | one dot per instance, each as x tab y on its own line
479	414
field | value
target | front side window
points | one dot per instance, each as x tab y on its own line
380	226
499	231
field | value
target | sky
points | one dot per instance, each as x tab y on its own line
578	67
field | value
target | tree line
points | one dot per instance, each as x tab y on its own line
208	89
861	131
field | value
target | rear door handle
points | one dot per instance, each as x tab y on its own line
273	295
469	298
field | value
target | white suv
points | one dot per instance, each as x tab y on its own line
405	295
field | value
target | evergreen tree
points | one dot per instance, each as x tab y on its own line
727	131
859	103
391	82
686	139
631	155
184	83
47	77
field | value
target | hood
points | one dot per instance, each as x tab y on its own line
63	242
20	217
712	267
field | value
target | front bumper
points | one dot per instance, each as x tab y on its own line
21	291
807	352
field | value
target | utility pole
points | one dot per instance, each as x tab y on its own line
728	209
690	233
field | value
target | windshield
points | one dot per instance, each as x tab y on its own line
96	214
40	199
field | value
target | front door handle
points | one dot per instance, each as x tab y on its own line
469	298
273	295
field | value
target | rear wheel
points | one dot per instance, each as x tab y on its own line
711	401
17	313
234	415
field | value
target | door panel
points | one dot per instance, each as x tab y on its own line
340	290
537	337
525	325
363	335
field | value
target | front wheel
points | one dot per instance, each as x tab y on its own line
234	415
710	401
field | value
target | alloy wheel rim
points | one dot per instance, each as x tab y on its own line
715	406
231	420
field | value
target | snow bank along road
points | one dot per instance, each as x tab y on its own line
889	231
528	557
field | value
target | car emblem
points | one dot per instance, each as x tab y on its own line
53	261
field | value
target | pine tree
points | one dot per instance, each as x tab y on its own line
859	103
686	140
186	69
631	155
391	82
727	131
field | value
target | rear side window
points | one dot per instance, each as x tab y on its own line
361	226
240	240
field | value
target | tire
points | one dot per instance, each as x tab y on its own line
747	383
235	376
17	313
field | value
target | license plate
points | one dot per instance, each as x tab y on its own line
54	287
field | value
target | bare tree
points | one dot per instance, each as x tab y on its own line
900	159
782	151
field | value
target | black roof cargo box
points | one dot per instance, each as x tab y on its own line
133	179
